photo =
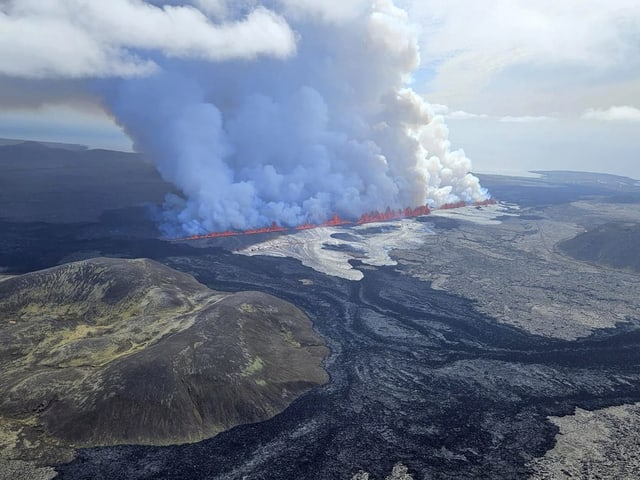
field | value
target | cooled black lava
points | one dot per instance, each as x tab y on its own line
417	376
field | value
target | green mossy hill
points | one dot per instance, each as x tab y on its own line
113	351
97	290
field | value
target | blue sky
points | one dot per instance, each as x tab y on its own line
522	85
512	148
536	85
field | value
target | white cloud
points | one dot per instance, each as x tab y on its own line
329	10
214	8
518	55
613	114
527	119
462	115
439	109
76	38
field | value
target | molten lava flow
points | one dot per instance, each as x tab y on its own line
306	226
389	214
272	229
336	221
228	233
450	206
483	203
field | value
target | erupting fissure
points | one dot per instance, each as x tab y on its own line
329	123
336	221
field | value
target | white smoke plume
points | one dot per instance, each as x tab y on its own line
315	118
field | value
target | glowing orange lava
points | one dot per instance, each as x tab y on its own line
336	221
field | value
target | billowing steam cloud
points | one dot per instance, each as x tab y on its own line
320	120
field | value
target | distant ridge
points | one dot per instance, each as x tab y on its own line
60	145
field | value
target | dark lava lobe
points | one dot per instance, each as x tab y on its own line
417	376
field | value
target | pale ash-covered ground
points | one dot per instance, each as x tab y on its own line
319	248
600	444
516	274
502	257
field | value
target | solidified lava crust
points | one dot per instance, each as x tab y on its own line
417	376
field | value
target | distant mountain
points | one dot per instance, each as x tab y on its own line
113	351
64	146
59	185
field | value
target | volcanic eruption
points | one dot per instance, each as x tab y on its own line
291	138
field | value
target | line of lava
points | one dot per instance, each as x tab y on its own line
336	221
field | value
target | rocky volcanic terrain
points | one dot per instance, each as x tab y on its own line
497	343
113	351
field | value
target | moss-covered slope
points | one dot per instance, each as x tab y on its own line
111	351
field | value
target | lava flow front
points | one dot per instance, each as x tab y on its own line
336	221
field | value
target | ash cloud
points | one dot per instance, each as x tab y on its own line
253	134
